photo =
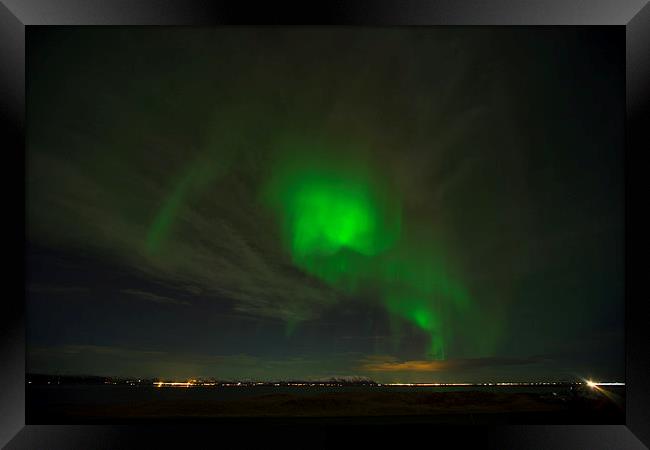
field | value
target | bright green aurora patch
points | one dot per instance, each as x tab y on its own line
341	225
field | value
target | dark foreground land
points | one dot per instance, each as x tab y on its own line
382	406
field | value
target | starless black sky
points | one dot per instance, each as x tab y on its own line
504	146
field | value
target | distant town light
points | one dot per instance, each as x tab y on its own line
197	382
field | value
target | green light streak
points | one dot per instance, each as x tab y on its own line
204	171
161	225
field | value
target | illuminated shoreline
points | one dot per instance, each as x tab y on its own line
308	384
42	379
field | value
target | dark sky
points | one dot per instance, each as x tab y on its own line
407	204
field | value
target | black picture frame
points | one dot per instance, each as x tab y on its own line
16	18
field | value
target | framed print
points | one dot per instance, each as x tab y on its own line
263	224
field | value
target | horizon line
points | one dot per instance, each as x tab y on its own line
197	380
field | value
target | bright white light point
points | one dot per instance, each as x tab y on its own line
591	384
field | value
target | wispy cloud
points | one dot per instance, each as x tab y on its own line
365	338
42	289
119	360
104	350
144	295
389	363
216	249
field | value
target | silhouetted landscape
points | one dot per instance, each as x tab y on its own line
92	399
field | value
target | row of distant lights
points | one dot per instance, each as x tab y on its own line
195	383
594	385
541	383
473	384
590	383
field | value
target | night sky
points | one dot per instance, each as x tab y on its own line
406	204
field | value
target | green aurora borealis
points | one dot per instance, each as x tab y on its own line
342	227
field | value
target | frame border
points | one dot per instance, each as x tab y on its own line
16	15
